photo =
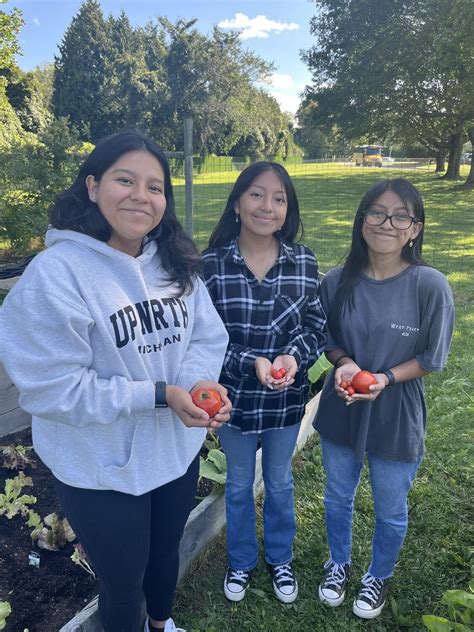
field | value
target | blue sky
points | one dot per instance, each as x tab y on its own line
275	29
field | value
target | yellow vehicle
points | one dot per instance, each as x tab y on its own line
367	155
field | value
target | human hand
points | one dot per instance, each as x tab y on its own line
223	415
263	366
180	401
343	374
375	390
287	362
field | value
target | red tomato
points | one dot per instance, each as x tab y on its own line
361	382
208	399
278	374
350	391
345	384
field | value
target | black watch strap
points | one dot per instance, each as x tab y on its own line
160	395
390	377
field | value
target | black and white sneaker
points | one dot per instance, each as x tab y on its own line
285	585
236	584
169	626
371	598
333	587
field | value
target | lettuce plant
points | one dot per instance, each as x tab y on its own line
79	557
12	501
15	457
55	533
5	610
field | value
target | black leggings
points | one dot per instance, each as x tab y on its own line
132	543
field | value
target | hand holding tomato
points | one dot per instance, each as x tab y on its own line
362	381
278	374
223	414
192	416
208	399
358	387
283	371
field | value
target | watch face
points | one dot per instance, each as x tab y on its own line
160	395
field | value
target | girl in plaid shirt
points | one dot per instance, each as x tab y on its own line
266	290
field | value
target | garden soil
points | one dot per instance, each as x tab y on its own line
43	598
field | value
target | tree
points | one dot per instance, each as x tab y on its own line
81	71
210	79
110	75
318	137
24	95
32	172
10	25
134	72
394	68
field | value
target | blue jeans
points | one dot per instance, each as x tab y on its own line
279	523
390	481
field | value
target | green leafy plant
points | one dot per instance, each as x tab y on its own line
5	610
460	611
317	374
35	522
214	467
15	457
212	441
79	557
12	501
55	533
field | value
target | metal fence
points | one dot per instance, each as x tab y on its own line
329	194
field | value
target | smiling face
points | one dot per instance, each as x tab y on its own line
385	239
262	207
130	195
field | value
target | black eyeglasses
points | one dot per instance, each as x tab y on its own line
377	218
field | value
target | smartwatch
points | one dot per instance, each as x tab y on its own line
390	377
160	395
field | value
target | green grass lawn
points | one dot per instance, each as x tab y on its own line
436	556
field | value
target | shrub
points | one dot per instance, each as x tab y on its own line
33	171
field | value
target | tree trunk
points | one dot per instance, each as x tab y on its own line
454	160
440	161
469	184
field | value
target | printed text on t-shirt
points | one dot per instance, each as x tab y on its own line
406	330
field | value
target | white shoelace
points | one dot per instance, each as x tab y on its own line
371	588
283	573
238	576
337	575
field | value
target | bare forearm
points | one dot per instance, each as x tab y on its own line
409	370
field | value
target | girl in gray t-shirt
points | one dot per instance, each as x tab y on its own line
392	314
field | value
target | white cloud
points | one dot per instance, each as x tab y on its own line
288	102
36	21
282	82
259	27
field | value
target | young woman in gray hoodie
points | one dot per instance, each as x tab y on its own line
105	335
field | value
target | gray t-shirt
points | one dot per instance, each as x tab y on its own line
410	315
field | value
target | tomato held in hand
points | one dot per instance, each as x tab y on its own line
361	382
350	391
278	374
208	399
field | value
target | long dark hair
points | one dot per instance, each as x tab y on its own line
73	210
227	228
357	259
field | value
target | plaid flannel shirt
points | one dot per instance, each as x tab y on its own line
281	315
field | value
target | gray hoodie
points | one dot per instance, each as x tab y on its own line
84	335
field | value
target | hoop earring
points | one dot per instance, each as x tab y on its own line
410	243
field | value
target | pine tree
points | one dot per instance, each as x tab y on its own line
81	71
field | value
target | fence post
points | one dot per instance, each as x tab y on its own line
188	174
